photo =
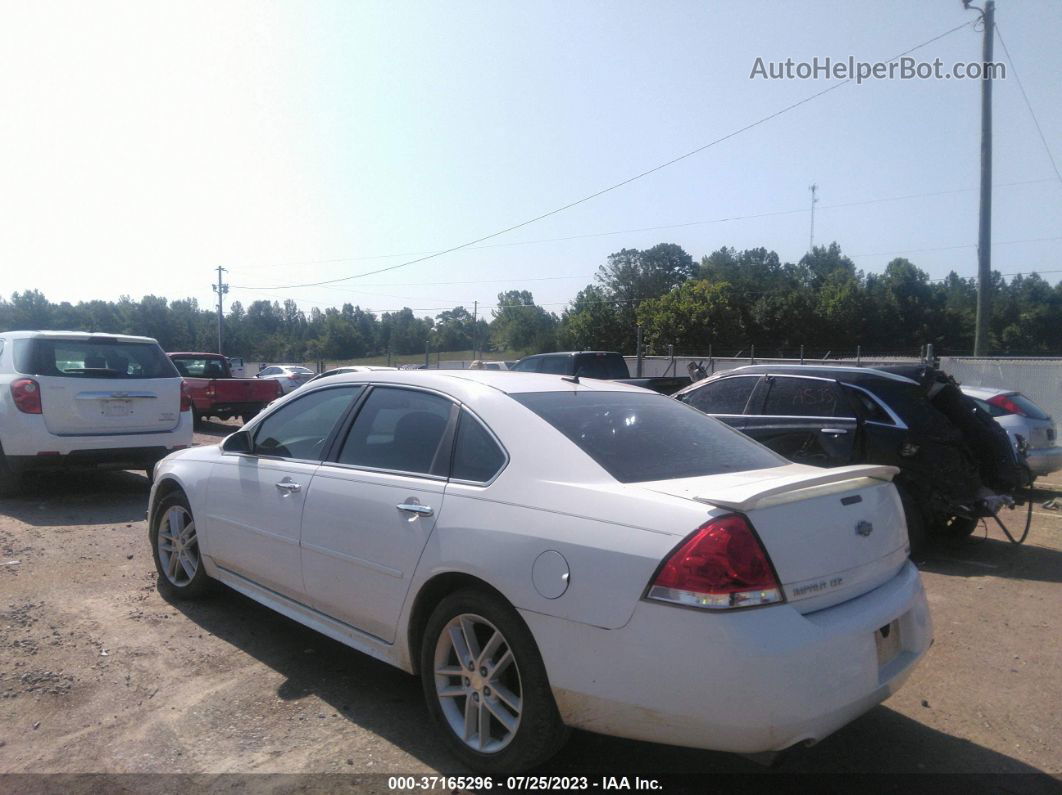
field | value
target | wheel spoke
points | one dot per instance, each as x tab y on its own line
468	629
457	640
484	724
188	564
489	650
174	560
452	691
471	719
175	519
502	716
506	696
188	533
505	661
449	670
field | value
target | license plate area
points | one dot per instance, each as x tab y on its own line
887	642
117	408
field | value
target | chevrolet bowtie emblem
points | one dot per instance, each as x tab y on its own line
864	528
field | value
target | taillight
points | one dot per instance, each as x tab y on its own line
722	565
186	397
1008	405
27	395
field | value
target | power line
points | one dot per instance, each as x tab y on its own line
1028	104
622	183
683	225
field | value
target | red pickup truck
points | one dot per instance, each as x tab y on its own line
215	393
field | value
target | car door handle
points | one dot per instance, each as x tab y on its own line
833	430
411	507
289	487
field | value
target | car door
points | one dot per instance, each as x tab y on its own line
806	419
373	505
724	398
255	500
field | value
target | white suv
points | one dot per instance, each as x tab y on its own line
72	399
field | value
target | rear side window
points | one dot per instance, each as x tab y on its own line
872	410
725	396
603	367
642	437
1031	409
399	429
554	365
477	457
299	429
93	358
805	397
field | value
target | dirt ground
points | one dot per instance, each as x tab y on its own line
99	674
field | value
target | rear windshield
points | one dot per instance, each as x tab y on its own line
1031	409
200	366
96	358
636	437
601	366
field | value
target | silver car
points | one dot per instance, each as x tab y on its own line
1030	428
290	376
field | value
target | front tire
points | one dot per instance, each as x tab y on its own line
486	686
175	548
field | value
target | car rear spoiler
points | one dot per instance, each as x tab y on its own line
792	487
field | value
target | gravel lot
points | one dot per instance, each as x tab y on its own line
100	674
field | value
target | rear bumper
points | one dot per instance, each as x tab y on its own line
25	440
753	681
120	458
1045	460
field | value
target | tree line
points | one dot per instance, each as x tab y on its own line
728	302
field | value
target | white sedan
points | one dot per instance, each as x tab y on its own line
547	553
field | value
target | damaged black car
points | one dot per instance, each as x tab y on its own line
956	463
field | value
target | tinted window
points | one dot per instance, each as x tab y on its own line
477	456
805	397
601	366
725	396
95	358
269	371
299	429
872	410
526	366
637	437
398	429
555	365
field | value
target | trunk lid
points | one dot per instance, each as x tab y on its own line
832	534
106	406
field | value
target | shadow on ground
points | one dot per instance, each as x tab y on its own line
389	703
90	497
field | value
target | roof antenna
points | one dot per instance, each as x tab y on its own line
574	379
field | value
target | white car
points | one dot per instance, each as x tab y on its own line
546	553
1030	428
72	399
289	376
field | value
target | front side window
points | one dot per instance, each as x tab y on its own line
805	397
198	367
300	429
401	430
94	358
527	366
477	457
725	396
642	437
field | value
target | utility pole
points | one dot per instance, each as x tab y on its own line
984	232
811	240
475	321
220	289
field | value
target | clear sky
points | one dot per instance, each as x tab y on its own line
143	144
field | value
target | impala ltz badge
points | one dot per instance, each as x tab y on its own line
864	528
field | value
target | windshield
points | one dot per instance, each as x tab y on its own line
641	437
93	358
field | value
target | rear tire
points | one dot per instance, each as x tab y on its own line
486	686
175	548
957	527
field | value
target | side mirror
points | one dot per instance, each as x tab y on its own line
239	442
